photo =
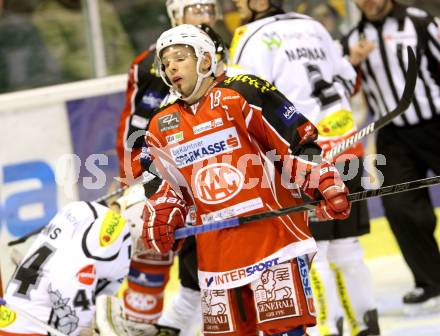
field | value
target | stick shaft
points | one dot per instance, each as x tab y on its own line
355	197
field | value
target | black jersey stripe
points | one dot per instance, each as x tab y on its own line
372	76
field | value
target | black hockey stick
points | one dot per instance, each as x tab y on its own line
354	197
22	239
402	106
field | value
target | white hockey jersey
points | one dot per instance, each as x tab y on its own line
297	55
84	251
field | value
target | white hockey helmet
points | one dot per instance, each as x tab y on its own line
191	36
176	8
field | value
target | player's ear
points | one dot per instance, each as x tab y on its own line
206	62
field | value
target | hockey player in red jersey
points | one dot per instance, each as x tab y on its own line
145	92
211	146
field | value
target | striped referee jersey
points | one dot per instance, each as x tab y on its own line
383	72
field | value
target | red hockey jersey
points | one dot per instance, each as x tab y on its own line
219	152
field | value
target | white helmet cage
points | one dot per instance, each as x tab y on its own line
192	36
176	8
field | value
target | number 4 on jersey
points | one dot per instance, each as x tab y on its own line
27	276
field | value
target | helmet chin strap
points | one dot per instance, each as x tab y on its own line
200	78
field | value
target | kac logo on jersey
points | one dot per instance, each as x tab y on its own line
169	122
140	301
217	183
87	275
111	228
7	317
139	122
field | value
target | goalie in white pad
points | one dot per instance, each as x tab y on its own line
182	317
83	252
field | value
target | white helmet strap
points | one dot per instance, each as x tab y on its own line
200	78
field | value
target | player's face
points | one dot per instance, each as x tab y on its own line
243	8
179	62
374	9
198	14
247	7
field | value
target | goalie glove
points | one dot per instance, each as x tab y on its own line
324	179
110	320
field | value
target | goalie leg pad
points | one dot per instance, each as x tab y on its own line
110	320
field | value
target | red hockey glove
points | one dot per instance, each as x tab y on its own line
325	179
162	217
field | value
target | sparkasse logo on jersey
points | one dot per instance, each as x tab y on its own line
206	147
87	275
111	228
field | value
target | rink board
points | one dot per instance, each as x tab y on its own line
58	146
